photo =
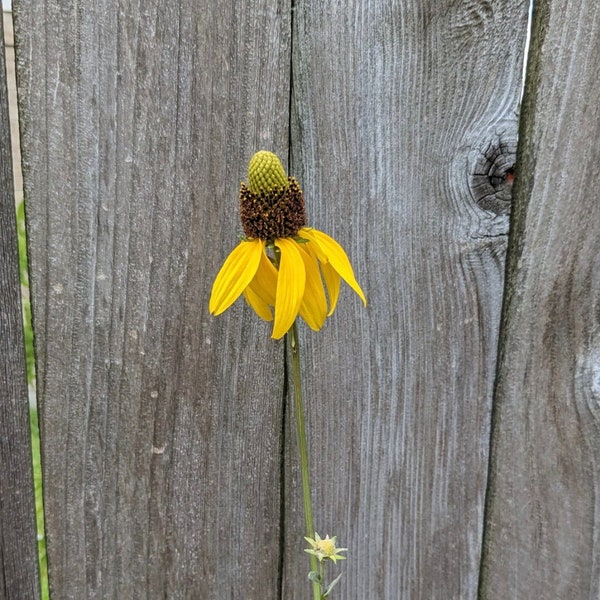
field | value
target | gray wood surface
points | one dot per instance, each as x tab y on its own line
161	425
404	125
543	521
163	428
18	546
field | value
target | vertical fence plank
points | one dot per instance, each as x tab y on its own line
542	527
160	425
18	546
404	135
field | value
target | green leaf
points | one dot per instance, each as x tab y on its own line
332	585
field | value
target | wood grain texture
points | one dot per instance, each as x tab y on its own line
160	425
19	576
543	521
397	105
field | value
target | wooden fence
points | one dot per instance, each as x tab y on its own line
454	444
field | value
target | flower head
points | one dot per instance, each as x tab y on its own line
324	548
282	267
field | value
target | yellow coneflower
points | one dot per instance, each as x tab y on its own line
281	264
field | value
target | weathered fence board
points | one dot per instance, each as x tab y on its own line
404	130
542	526
160	425
18	547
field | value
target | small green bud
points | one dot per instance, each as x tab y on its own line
266	173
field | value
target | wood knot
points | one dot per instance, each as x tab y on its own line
493	173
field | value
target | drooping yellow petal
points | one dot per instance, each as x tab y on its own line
314	304
291	282
264	284
237	272
336	257
260	307
330	275
332	281
306	233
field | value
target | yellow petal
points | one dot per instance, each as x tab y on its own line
314	305
290	286
332	281
330	275
260	307
264	283
237	272
337	258
306	233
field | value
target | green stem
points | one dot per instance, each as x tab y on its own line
302	446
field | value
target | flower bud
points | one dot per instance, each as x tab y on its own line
266	173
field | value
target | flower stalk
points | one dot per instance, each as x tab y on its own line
303	449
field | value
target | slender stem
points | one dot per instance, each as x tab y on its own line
322	574
302	446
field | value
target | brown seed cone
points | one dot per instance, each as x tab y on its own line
272	214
